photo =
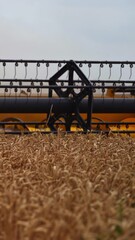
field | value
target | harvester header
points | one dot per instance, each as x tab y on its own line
71	96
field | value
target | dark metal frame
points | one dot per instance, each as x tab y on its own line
72	68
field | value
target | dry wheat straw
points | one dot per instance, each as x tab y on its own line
70	187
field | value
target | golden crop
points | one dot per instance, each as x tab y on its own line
67	187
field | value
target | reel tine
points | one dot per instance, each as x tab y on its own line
41	84
100	68
121	67
37	66
59	66
20	90
89	66
26	65
38	92
5	91
131	68
47	72
11	85
16	90
110	68
103	90
4	69
123	94
16	65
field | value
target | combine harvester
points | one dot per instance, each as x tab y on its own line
73	96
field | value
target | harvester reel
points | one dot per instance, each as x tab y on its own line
79	96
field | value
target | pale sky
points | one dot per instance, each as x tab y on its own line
67	29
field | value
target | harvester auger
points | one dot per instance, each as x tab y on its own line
71	96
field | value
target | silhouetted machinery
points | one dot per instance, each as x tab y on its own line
70	96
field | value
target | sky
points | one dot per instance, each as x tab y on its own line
67	29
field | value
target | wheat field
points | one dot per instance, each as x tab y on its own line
67	187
